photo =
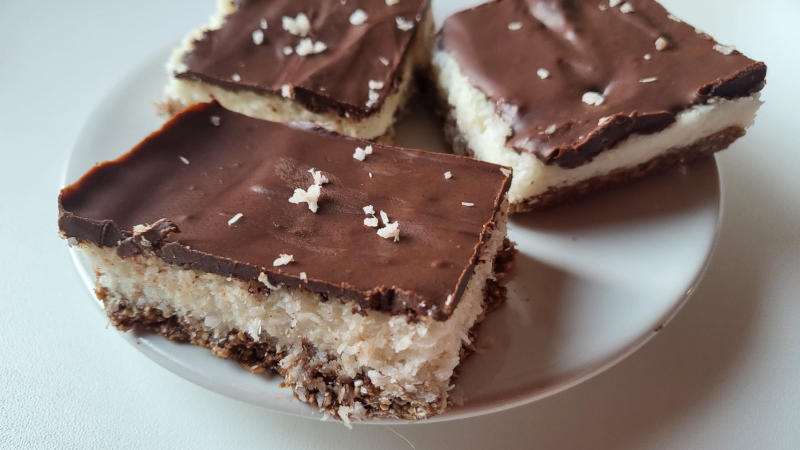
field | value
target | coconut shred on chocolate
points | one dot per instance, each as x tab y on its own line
606	70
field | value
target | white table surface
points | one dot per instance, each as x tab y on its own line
723	374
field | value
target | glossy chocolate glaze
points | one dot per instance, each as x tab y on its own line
586	45
336	79
252	167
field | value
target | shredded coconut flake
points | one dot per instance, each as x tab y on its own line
263	24
390	231
286	91
661	43
319	47
361	153
288	50
282	260
391	2
235	218
614	3
309	196
369	209
183	160
235	77
319	178
376	85
448	175
308	47
403	24
371	222
673	17
602	6
506	172
304	277
604	121
550	129
626	8
384	217
449	300
593	98
467	204
647	56
543	73
648	80
258	189
514	26
258	37
370	174
262	277
359	17
373	98
215	120
383	60
724	49
298	26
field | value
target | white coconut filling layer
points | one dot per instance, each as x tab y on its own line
280	108
486	134
403	359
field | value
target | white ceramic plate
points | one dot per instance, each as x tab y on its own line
594	280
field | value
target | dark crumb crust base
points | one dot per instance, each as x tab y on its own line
563	194
317	386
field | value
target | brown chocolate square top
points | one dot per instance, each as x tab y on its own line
574	77
324	52
223	182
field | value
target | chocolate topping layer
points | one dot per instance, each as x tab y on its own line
252	167
337	78
646	64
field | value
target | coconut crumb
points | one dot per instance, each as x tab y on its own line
373	98
506	172
287	91
309	196
403	24
319	178
673	18
282	260
550	129
449	300
369	209
647	57
514	26
626	8
298	26
258	37
602	7
287	50
263	279
215	120
375	84
390	231
361	153
593	98
371	222
308	47
661	43
383	60
384	217
236	77
724	49
448	175
304	277
183	160
391	2
263	24
648	80
359	17
370	174
614	3
467	204
604	121
235	219
543	73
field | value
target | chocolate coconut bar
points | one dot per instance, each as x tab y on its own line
578	95
355	270
344	66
